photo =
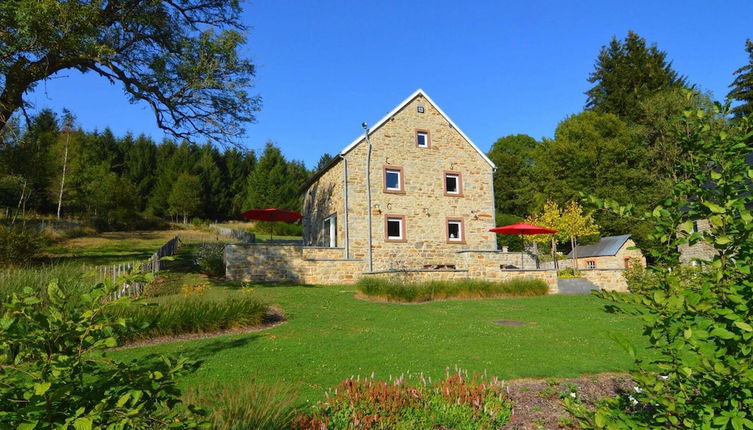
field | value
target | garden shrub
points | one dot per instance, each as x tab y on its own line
458	402
401	290
19	245
568	273
697	372
55	371
192	313
210	257
247	405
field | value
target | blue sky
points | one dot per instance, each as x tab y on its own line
496	67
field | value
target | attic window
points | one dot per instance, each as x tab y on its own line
422	139
420	109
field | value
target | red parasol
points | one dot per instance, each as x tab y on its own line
522	228
272	214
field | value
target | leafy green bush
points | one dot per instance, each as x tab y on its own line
399	290
19	245
247	405
697	373
191	313
278	228
210	257
457	402
55	372
568	274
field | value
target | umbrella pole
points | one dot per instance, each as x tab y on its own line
522	250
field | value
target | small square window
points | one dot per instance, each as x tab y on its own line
590	264
455	231
394	228
422	139
393	179
453	185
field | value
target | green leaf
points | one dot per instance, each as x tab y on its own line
27	426
55	294
715	208
722	333
41	388
82	423
123	399
744	326
110	342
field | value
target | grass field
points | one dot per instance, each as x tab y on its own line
331	335
115	247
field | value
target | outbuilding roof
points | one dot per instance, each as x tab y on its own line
606	246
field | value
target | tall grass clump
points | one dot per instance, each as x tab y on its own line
459	402
68	276
397	290
246	406
194	313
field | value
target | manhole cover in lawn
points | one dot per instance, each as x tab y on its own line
511	323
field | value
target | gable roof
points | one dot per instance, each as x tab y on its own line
361	138
606	246
418	92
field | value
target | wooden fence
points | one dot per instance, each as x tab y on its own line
241	235
153	265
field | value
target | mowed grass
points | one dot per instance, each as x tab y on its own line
116	247
330	335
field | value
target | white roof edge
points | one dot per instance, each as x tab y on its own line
402	105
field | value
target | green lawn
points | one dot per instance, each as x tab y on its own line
330	335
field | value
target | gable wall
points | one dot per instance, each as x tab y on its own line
424	203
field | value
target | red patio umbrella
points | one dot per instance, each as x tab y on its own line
272	214
522	228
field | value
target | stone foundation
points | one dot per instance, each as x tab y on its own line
326	266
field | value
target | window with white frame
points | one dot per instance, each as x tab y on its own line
455	230
452	184
394	227
393	179
329	231
422	138
590	264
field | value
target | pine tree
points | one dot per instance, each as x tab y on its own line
275	182
238	165
185	197
215	200
626	73
742	86
324	161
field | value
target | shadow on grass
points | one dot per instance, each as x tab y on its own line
211	348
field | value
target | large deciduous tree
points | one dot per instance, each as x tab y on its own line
181	57
627	72
513	157
742	86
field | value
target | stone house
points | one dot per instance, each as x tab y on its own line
412	195
430	194
611	252
697	253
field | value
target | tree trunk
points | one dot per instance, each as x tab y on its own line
574	244
62	180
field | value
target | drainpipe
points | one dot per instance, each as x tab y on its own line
345	191
494	209
368	191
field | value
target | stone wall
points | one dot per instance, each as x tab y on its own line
320	266
700	251
607	279
423	201
289	263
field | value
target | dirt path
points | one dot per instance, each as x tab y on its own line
537	405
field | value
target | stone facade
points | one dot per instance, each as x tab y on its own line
701	251
422	201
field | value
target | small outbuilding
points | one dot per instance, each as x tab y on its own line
612	252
